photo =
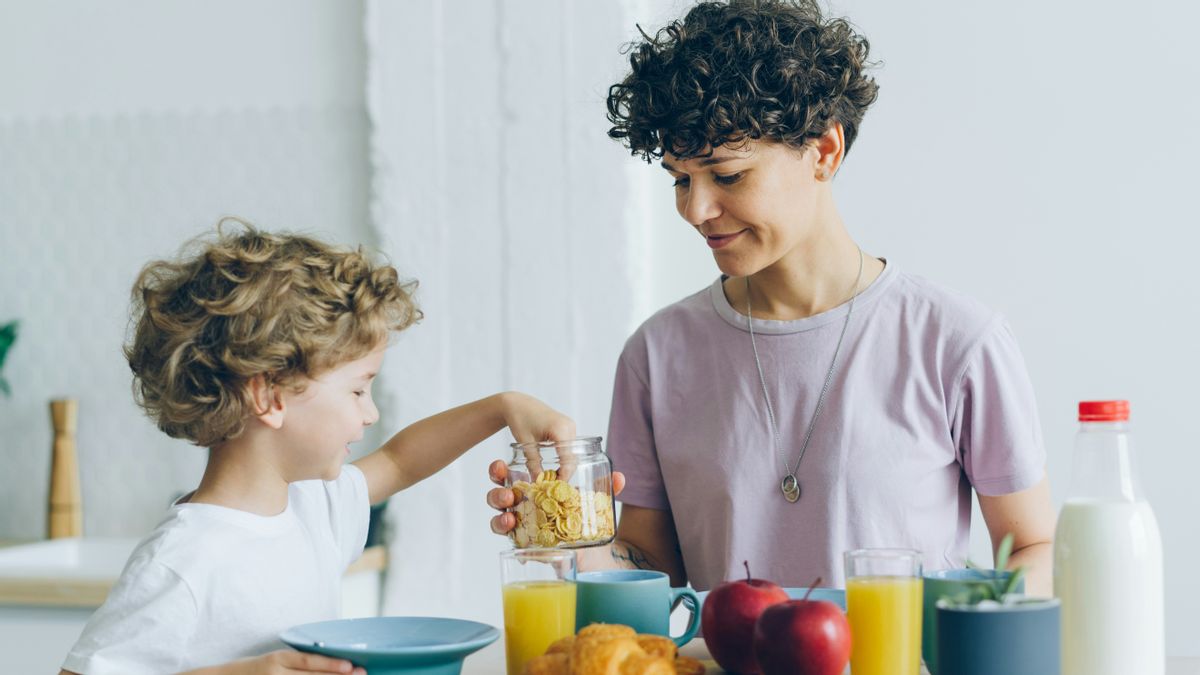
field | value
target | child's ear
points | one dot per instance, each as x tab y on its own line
268	401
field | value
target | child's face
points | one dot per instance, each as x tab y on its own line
322	421
754	205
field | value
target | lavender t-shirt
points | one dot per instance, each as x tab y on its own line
930	397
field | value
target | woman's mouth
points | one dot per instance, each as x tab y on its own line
716	241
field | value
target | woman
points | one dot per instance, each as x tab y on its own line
814	399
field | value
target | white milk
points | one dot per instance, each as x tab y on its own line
1108	574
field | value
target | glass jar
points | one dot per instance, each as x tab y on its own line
563	493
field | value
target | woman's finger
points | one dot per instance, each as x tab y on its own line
498	472
504	523
618	482
500	498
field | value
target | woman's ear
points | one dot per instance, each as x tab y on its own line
831	148
268	401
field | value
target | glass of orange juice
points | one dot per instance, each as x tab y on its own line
883	604
539	602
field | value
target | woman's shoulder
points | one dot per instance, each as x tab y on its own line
680	317
921	298
940	319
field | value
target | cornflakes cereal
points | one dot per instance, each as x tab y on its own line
551	512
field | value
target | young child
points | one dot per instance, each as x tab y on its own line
263	347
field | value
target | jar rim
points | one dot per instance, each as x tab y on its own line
574	442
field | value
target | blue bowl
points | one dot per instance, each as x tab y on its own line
835	595
389	645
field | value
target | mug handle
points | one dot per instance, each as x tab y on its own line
693	604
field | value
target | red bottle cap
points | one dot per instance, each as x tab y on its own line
1103	411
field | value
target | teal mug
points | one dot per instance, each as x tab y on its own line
641	599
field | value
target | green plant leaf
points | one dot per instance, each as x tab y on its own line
8	335
1004	552
4	387
1013	580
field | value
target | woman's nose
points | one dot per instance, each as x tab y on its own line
699	206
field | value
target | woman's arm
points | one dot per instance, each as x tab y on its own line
646	539
1029	516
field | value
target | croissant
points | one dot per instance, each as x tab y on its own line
609	649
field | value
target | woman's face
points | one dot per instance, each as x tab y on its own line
753	205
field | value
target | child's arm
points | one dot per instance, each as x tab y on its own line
275	663
425	447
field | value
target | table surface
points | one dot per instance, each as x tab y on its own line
490	661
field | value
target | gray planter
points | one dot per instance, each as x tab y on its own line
1019	638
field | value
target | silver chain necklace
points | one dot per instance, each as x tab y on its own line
790	486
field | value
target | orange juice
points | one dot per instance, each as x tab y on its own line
536	613
885	625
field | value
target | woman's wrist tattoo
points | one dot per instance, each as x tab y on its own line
627	555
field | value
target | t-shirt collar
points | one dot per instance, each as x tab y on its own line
772	327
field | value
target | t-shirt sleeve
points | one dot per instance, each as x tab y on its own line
631	437
996	426
144	626
349	511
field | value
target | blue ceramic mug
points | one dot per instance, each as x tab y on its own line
641	599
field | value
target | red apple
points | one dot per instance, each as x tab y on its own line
727	620
802	637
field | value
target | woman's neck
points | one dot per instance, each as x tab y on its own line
815	277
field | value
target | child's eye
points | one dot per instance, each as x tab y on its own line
729	179
360	392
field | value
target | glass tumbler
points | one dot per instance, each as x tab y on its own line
883	605
538	587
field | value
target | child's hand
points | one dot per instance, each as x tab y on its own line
286	661
502	498
531	421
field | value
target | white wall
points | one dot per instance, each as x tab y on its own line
1041	157
1035	155
125	129
495	185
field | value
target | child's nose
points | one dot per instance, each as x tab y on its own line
372	415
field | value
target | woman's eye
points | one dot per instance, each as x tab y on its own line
682	181
729	179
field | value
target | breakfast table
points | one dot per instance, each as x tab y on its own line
490	660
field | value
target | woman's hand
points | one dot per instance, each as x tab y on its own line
283	662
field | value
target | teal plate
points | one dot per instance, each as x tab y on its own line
390	645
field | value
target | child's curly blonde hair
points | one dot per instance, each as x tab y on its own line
252	303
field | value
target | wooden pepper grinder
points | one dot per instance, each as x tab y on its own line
66	502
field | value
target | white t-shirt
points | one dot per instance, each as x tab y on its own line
212	584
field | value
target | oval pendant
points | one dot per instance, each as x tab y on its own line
790	488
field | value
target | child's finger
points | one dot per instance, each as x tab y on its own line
618	482
567	461
316	663
498	472
533	460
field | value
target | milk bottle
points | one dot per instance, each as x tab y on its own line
1108	570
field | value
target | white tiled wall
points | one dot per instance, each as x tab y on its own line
84	203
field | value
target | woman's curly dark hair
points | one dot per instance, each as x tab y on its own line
742	69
